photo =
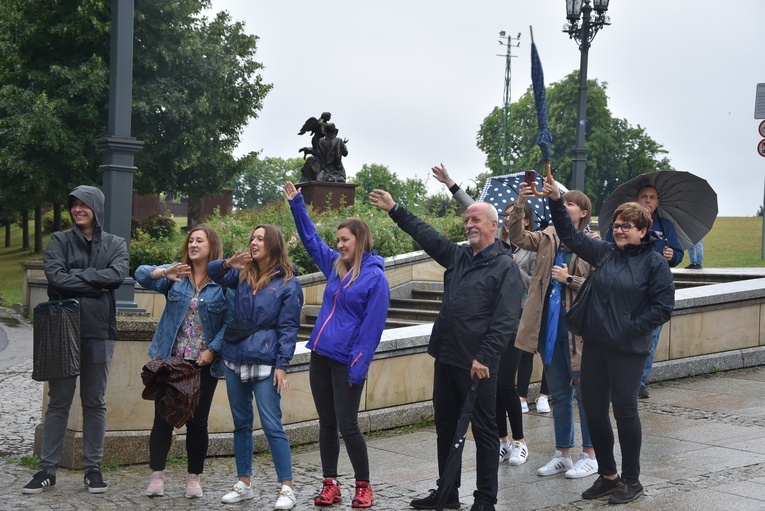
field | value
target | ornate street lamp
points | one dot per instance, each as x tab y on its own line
582	26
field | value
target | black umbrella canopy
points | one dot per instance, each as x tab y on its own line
684	198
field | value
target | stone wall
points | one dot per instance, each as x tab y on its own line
713	327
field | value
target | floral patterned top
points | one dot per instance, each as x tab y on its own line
190	340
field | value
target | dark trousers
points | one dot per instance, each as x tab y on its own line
613	377
337	404
197	438
450	387
525	368
508	400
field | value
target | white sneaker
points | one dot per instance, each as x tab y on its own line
238	493
518	453
287	498
558	464
543	404
524	406
584	466
504	451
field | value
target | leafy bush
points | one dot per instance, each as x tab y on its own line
47	221
146	250
235	229
156	226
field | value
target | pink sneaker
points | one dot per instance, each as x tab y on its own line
193	488
156	485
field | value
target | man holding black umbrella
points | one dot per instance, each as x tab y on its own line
479	314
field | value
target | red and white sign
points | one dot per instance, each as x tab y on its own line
762	129
761	148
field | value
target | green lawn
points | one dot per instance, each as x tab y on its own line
734	242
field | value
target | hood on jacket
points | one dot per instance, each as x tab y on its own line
93	198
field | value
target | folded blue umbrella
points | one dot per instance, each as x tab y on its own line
553	313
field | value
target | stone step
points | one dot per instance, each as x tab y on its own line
427	294
414	303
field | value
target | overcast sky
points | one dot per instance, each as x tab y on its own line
409	82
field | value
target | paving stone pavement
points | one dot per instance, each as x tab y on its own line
703	449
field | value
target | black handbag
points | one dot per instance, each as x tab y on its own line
56	340
574	317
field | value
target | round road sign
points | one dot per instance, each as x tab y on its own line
761	148
762	129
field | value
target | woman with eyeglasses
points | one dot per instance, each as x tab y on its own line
632	293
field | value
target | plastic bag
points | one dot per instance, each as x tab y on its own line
56	340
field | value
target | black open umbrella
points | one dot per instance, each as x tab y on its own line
684	198
454	460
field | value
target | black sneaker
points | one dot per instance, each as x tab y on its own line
95	482
480	505
431	501
627	493
602	487
643	392
40	481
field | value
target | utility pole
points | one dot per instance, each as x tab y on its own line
504	146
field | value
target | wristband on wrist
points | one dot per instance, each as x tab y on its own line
163	274
225	264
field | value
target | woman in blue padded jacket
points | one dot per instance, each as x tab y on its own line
257	349
343	342
192	325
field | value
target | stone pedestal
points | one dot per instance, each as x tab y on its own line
322	195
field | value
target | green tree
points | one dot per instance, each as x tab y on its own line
616	150
410	192
263	180
196	85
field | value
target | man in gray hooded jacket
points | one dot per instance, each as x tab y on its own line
87	264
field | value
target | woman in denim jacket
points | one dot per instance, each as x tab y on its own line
257	351
192	325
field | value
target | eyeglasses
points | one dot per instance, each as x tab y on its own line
505	216
622	227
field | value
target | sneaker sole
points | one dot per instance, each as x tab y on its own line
325	504
545	474
602	495
35	491
239	499
195	495
640	493
155	493
579	475
97	490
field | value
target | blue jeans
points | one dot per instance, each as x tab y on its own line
559	381
696	253
649	361
269	410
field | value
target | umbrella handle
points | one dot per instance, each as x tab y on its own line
548	178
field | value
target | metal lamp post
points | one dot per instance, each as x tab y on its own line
118	148
582	26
